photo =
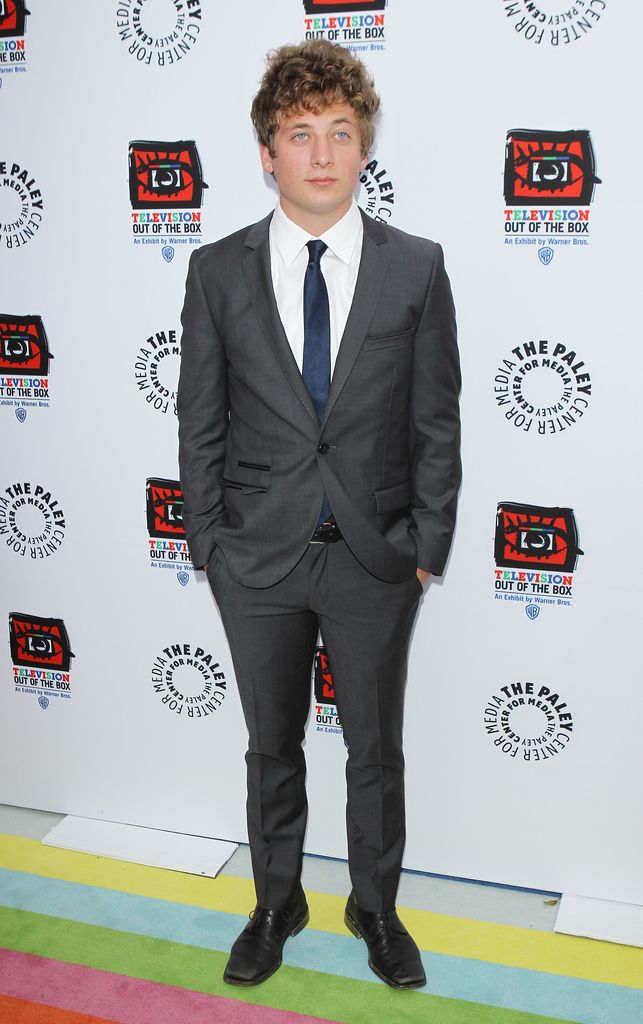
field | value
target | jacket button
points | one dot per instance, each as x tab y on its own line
323	449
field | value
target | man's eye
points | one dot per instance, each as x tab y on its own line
342	135
300	136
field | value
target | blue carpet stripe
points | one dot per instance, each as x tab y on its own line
586	1002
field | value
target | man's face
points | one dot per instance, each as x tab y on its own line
316	165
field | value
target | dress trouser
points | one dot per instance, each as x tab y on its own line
366	627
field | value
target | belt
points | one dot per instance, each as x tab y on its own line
326	533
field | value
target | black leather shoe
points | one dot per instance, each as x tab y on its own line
392	953
256	954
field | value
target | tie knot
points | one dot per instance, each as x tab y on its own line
316	249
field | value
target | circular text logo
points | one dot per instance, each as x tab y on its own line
156	370
31	520
376	194
21	205
542	387
550	23
158	32
528	721
189	681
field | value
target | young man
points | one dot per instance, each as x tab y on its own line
319	454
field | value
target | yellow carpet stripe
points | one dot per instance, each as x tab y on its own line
454	936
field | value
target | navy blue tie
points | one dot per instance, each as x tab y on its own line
316	366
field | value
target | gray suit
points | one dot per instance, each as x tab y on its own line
255	463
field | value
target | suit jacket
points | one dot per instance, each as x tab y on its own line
254	459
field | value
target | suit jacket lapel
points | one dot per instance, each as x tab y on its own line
372	270
256	267
370	279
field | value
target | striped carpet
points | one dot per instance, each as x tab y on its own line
87	940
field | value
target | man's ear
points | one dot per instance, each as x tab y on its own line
266	159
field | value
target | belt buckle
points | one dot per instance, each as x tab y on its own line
325	533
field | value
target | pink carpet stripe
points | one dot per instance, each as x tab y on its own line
126	1000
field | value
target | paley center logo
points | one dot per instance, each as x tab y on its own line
528	721
32	523
536	551
158	32
41	656
13	54
21	203
156	370
189	680
166	193
24	363
326	717
168	547
542	387
549	180
550	23
357	24
376	193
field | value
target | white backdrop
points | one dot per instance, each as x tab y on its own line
150	729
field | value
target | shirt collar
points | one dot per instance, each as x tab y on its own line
341	239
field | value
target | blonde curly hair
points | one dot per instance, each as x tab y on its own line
312	76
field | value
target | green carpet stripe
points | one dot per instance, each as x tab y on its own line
190	967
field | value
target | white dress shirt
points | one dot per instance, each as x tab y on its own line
339	265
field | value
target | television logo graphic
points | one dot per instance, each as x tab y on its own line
167	544
358	24
549	168
164	508
326	715
324	686
536	552
331	6
165	175
166	192
41	656
24	363
12	18
549	180
533	537
35	641
23	345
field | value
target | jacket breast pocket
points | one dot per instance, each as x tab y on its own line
383	341
392	499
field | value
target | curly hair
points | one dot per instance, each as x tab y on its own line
312	76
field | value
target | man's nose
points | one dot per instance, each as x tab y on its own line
322	153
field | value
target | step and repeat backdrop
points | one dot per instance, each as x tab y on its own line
510	133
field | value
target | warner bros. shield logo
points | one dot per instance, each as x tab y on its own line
545	255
